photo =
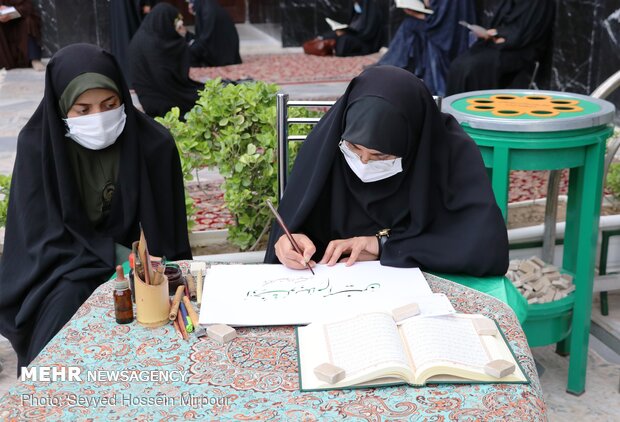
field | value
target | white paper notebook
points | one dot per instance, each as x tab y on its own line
335	25
271	294
417	5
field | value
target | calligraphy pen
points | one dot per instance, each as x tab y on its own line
287	232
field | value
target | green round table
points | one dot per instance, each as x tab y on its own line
547	130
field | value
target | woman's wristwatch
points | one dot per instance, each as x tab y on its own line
382	236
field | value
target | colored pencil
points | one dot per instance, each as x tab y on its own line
189	327
181	324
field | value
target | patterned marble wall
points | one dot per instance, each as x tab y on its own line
265	11
67	21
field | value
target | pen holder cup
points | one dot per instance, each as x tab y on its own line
152	302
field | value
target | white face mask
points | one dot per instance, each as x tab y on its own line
97	131
374	170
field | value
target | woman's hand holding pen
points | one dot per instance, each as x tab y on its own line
291	259
361	248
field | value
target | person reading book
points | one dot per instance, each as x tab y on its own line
363	34
159	63
216	42
20	37
74	207
372	349
426	43
519	35
386	176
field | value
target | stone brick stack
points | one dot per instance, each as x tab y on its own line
538	281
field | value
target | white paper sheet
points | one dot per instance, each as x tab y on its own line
269	294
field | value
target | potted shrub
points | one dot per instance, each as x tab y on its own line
233	128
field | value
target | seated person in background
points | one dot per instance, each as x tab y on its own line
364	34
425	44
125	18
216	42
89	168
159	63
519	35
384	157
20	37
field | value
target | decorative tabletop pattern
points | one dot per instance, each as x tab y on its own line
131	372
523	110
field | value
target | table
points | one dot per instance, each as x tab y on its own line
253	377
546	130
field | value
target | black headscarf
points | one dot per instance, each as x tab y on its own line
441	208
159	64
49	239
217	40
368	25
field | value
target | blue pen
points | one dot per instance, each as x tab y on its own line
189	327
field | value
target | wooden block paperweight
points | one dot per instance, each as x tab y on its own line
405	312
499	368
329	373
221	332
485	326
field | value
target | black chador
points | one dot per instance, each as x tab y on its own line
526	27
159	64
217	40
440	209
54	256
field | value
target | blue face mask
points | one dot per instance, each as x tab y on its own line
357	7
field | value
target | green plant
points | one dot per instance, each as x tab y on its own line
613	179
5	185
232	127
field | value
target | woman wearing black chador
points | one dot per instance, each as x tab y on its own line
89	168
384	160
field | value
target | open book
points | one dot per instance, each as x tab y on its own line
417	5
372	350
335	25
11	12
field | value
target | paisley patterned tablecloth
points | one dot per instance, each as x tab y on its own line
254	377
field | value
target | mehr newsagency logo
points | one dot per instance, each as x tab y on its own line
77	374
